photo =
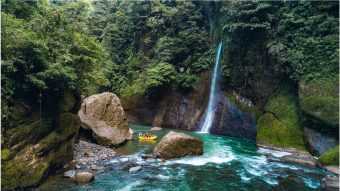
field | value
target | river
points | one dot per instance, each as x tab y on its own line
227	164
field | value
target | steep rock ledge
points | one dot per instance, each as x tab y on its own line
35	147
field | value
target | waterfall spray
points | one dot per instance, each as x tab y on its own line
210	112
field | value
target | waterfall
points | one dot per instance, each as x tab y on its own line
210	112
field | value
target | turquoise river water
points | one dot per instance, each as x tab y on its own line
227	164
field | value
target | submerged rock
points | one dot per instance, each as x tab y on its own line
83	177
104	115
135	169
174	145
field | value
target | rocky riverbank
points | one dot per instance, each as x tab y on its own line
89	156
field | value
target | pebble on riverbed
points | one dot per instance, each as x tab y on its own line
86	155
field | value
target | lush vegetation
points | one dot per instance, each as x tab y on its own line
296	39
331	156
148	48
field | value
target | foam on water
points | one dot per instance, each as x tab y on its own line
310	182
130	186
163	177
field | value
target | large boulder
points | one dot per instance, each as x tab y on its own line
104	115
174	145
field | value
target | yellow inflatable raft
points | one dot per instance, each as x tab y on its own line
152	137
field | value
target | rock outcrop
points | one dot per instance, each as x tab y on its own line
175	145
318	143
185	110
37	145
174	109
319	101
281	125
229	120
104	115
293	155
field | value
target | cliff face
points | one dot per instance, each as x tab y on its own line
175	109
231	121
36	143
186	111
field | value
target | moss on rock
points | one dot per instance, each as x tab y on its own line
331	156
281	125
5	154
320	100
24	170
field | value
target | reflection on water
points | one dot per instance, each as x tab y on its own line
227	164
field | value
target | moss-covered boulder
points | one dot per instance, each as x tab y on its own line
25	170
281	125
319	101
331	156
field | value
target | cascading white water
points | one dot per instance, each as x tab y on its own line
210	112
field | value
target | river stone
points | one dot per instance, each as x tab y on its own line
84	177
146	156
135	169
156	129
104	115
70	173
174	145
95	167
301	159
330	182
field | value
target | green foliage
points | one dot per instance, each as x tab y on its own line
142	35
186	81
155	78
5	154
48	52
297	39
168	49
320	100
331	156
